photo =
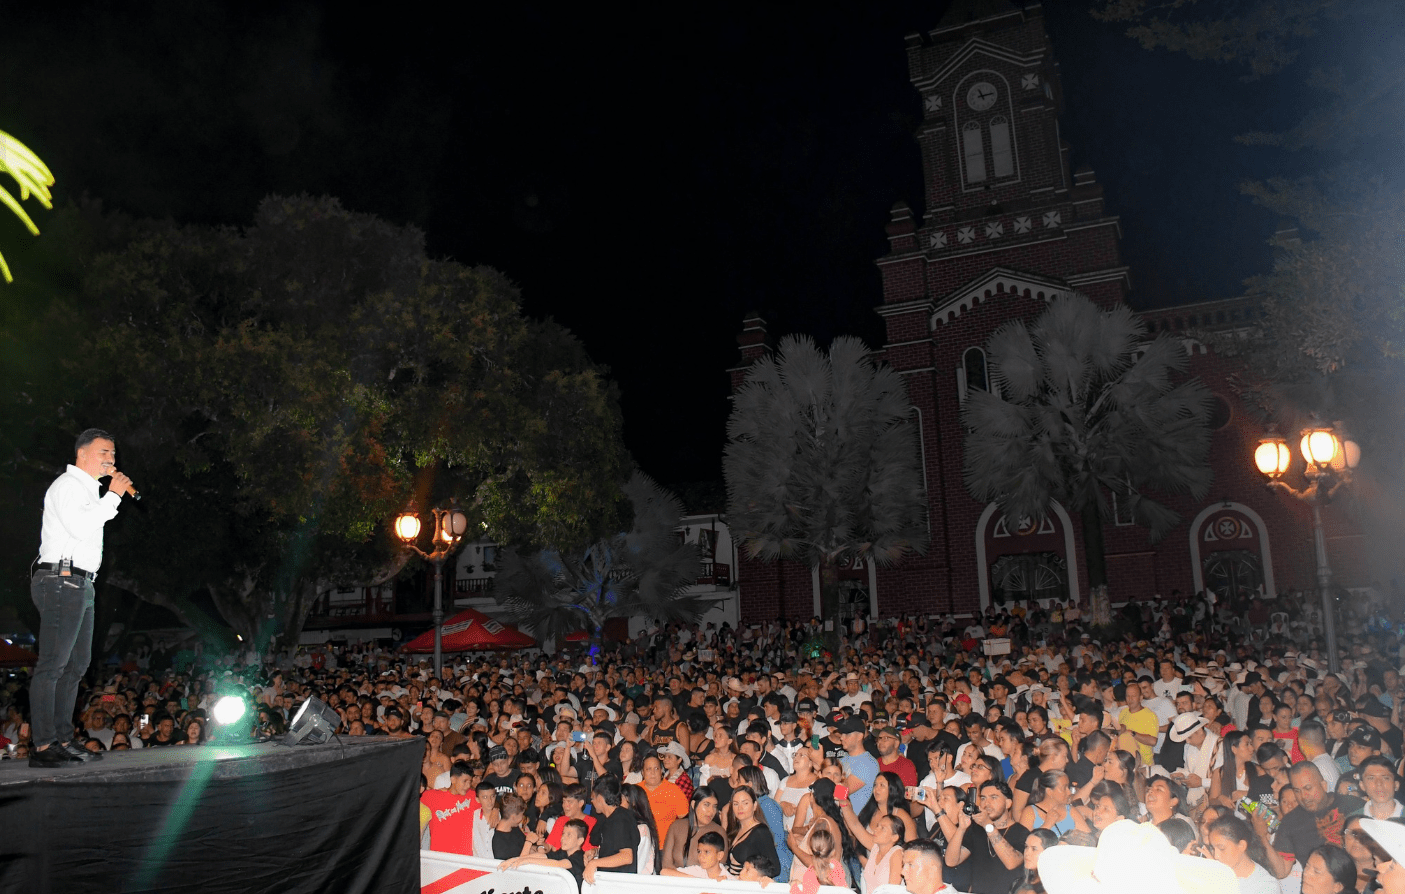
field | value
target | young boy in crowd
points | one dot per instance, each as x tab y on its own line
709	865
570	857
508	838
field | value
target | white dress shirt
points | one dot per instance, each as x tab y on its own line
73	520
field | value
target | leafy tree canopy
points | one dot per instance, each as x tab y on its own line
280	391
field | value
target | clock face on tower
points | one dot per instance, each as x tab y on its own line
981	96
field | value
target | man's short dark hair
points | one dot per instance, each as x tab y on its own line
608	788
998	786
926	847
764	864
583	830
459	770
89	435
711	839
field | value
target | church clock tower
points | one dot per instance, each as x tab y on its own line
1007	227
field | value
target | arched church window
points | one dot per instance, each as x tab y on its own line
1002	154
973	148
974	362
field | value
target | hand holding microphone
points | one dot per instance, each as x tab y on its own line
121	485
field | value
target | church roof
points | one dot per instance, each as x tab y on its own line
962	12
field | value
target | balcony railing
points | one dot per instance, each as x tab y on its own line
716	573
473	585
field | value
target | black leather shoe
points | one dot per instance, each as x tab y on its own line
78	752
53	757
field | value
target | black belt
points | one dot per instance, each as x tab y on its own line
53	568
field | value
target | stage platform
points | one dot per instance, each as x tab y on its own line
340	817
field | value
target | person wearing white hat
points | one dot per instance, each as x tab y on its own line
1202	754
1131	856
1390	837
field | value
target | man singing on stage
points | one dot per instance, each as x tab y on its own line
70	551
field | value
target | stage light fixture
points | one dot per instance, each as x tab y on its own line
229	709
314	724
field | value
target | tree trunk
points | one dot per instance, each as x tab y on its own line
1094	548
829	605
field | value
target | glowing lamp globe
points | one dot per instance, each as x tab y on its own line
456	523
229	709
1272	457
1349	457
1319	446
407	526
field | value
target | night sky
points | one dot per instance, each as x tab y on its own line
647	179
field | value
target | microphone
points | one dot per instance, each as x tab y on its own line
135	494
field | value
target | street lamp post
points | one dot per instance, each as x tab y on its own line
449	527
1331	460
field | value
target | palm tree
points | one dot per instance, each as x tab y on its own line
642	572
1082	404
822	462
32	175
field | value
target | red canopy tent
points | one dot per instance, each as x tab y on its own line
472	631
16	656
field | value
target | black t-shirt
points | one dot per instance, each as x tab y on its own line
833	751
1026	781
616	832
1302	832
577	861
988	873
1394	739
505	784
507	845
1080	772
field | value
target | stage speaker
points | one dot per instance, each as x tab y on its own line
314	724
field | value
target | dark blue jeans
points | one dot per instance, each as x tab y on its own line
65	647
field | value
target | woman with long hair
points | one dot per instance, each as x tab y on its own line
1358	848
1231	781
631	760
1037	843
1049	805
747	830
1109	803
718	762
680	847
755	778
1235	845
1329	870
636	799
826	814
1022	772
795	788
1120	768
1165	798
883	839
547	801
890	798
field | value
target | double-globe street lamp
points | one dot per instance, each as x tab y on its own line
449	527
1331	459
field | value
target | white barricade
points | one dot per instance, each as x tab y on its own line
627	883
442	873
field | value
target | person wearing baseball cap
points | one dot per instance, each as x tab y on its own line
1374	712
1361	743
862	767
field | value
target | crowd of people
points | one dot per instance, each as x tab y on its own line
1182	755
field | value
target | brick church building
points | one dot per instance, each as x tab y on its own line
1008	227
